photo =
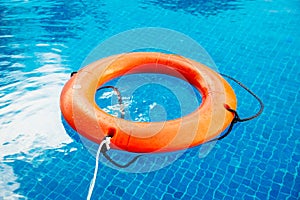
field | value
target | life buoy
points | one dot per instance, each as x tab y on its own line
81	112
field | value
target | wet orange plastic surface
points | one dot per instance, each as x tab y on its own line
80	110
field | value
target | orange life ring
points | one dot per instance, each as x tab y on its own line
81	112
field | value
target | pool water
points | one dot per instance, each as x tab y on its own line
255	41
149	97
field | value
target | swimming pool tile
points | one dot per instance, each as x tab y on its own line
199	175
152	188
243	188
111	188
288	178
114	197
119	191
135	198
208	194
185	165
33	193
214	183
262	192
218	195
52	195
40	197
170	189
227	197
284	196
295	193
139	193
75	195
67	191
241	172
189	174
200	193
178	195
190	196
190	188
287	188
218	177
167	196
233	185
231	169
248	197
166	180
176	181
126	196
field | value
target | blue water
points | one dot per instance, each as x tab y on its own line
255	41
149	97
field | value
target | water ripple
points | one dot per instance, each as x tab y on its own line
29	107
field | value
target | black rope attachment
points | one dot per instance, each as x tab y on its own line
73	73
261	104
111	132
236	117
104	150
120	100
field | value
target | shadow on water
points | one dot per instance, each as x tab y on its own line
197	7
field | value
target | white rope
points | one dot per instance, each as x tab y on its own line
92	184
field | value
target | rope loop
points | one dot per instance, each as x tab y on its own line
236	117
73	73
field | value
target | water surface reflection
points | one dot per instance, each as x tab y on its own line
197	7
